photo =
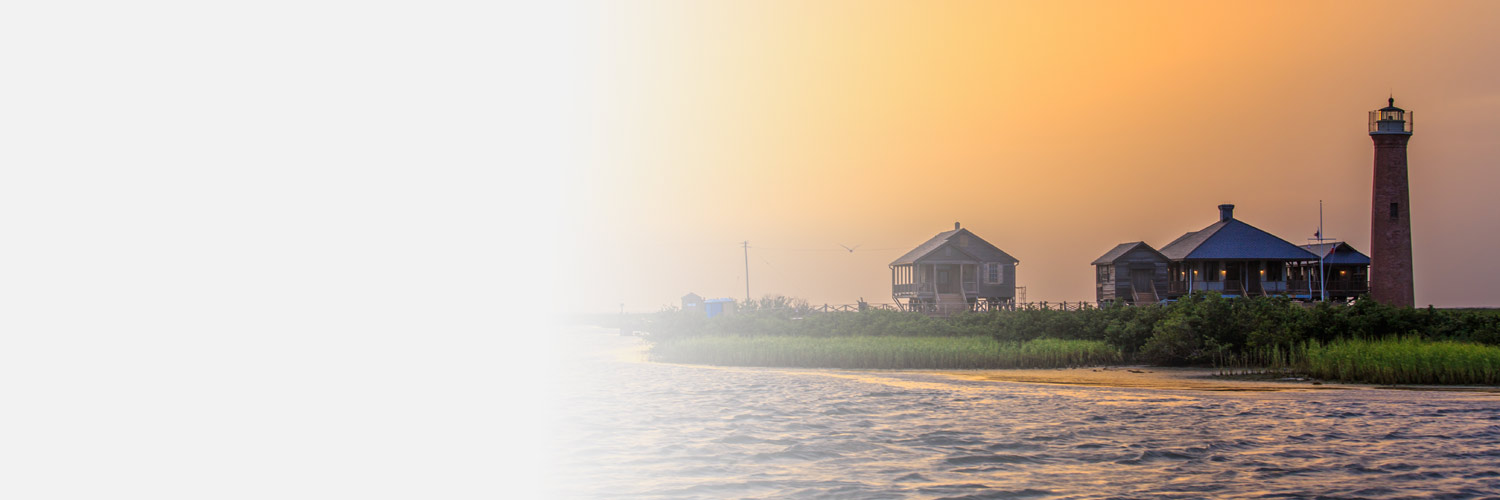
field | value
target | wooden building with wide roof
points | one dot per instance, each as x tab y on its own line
1133	273
1238	259
1232	258
1346	270
955	270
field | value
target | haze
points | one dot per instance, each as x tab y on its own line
1054	130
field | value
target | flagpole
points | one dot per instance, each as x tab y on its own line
1322	269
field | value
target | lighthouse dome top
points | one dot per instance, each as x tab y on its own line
1390	119
1391	105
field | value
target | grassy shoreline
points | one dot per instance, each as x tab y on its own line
1360	342
1408	360
1390	361
885	352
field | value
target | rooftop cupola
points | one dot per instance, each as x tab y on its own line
1390	119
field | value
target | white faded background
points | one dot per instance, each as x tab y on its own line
273	249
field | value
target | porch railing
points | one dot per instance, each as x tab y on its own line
912	289
1344	287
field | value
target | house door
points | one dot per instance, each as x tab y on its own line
945	280
1253	276
1234	278
1142	279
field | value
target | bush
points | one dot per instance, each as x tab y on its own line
1175	341
1195	329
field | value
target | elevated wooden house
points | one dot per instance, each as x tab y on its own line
1347	271
1232	258
1133	273
955	270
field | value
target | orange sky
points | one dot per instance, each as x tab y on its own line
1055	130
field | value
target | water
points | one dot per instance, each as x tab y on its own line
633	429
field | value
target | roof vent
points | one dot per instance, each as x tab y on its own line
1226	212
955	226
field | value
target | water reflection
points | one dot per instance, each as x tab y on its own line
632	429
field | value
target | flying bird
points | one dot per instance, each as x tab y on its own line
850	249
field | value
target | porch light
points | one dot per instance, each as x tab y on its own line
1341	273
1223	272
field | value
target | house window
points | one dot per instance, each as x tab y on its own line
994	273
963	240
1103	273
1274	271
1211	268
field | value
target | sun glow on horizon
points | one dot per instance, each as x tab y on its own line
1055	131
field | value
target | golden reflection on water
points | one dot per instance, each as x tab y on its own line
873	378
637	428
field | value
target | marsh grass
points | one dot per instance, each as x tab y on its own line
1407	360
1392	360
1265	362
885	352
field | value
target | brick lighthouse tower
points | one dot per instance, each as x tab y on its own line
1390	217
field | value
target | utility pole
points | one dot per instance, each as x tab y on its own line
746	246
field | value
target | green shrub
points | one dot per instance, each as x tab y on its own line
1175	341
1195	329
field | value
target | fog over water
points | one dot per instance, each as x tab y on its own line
635	429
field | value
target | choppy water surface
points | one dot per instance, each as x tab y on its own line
632	429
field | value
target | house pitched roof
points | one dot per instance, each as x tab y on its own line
1343	253
1119	251
1233	239
978	249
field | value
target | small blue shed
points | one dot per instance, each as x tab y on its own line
715	307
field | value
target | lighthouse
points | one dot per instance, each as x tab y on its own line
1390	215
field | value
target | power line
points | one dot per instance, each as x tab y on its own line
829	249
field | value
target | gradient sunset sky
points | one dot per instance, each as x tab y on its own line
1055	130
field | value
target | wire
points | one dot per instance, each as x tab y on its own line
827	249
